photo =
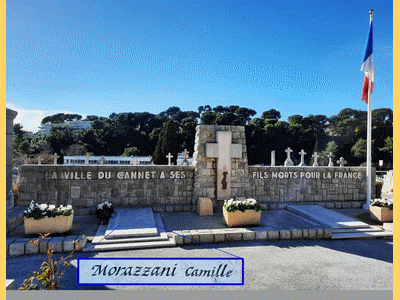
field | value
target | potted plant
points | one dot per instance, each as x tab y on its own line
381	210
241	212
43	218
104	211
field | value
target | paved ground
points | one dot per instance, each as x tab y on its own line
88	225
269	265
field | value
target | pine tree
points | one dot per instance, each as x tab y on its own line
330	147
168	142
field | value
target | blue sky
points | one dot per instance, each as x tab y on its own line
98	57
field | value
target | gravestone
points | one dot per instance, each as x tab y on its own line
10	116
341	162
330	156
273	158
302	153
387	188
169	156
288	161
315	156
55	158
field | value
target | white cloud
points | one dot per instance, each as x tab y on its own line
31	119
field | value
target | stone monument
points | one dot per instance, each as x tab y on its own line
341	162
330	156
315	156
288	161
302	153
220	159
273	158
387	188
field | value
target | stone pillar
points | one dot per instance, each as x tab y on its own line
220	150
11	114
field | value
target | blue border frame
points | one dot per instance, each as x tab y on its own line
159	258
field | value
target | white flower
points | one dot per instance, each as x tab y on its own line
43	206
251	201
52	207
69	206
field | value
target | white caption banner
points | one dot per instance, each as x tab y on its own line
160	271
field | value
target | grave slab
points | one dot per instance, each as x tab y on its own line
325	216
131	222
282	219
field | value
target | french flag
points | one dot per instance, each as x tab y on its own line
368	67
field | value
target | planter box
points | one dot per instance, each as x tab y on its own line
238	218
381	214
59	224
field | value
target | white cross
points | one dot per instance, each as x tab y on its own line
87	156
133	161
315	156
169	156
224	151
102	160
55	157
273	158
40	158
288	161
330	159
341	162
302	153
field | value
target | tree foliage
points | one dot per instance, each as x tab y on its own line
143	132
168	143
61	118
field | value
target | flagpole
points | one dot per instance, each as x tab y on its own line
369	156
369	139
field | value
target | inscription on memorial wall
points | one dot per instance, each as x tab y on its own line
307	175
132	175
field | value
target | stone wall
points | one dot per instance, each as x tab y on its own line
330	187
178	188
10	116
165	188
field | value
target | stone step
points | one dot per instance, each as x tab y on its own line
102	242
348	230
131	222
128	246
161	237
362	235
101	239
326	217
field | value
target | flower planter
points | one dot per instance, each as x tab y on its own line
381	214
247	218
59	224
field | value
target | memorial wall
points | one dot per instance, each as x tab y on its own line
220	171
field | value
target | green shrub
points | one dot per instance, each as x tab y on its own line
378	186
